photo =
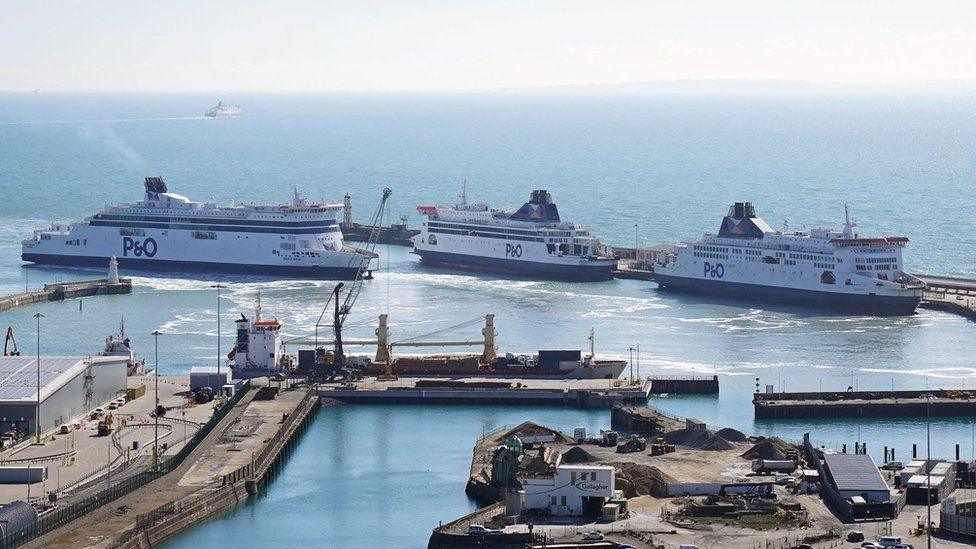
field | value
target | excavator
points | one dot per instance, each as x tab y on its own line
7	349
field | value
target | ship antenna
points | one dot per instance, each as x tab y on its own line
592	349
257	310
849	223
463	197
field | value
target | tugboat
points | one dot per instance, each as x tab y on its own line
531	241
823	268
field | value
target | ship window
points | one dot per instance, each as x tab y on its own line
828	277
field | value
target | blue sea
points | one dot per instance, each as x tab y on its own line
668	164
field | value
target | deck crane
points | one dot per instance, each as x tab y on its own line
6	343
330	366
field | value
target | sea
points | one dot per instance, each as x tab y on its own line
647	168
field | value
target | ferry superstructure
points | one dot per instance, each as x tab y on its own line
821	267
531	241
220	110
169	232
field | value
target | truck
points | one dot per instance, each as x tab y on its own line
635	444
766	466
608	438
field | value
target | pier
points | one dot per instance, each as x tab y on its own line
681	385
950	294
852	404
66	290
583	393
232	456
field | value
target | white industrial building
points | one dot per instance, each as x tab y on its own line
576	490
70	386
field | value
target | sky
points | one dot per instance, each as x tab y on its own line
309	46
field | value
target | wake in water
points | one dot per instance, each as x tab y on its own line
103	120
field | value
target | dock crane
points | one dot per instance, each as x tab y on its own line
331	366
15	351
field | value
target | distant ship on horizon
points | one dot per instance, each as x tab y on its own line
823	268
220	110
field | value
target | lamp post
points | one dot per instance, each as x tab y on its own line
37	410
928	468
218	287
631	365
156	408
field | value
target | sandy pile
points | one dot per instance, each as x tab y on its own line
769	448
698	439
577	455
636	479
731	435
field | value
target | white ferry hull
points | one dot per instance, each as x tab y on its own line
869	303
168	232
589	271
184	266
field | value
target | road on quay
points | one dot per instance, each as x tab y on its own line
106	522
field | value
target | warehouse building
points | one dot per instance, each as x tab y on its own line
70	387
856	478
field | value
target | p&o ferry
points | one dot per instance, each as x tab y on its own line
169	232
531	241
821	267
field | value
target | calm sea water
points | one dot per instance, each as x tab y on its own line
670	165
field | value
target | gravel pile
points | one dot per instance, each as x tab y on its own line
769	448
698	439
731	435
577	455
636	479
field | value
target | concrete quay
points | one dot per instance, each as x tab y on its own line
240	452
940	402
581	393
66	290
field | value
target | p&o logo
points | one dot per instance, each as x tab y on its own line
714	271
513	250
139	248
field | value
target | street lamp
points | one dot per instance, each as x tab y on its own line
37	410
631	365
928	468
218	287
156	408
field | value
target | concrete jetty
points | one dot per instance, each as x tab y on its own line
950	294
938	402
582	393
66	290
241	451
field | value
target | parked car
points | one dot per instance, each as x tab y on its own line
888	541
783	480
855	536
593	535
481	529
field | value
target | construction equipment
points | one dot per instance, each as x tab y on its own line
608	438
331	365
7	351
105	425
635	444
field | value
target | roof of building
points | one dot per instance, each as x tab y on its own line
210	370
18	374
856	472
921	481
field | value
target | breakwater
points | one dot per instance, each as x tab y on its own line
66	290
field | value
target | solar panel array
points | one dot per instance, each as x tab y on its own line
18	374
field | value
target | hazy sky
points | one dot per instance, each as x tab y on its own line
319	45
